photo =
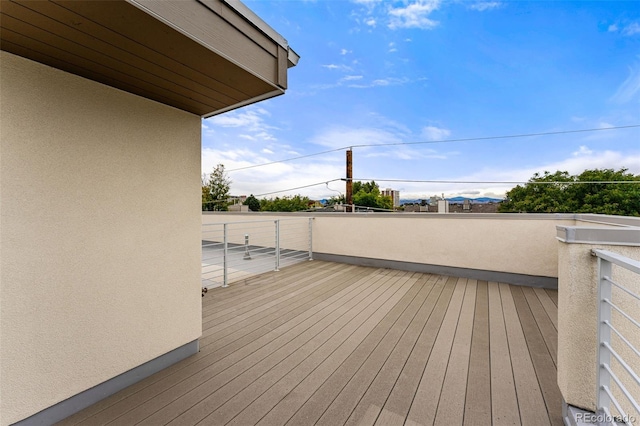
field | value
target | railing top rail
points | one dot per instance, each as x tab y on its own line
625	262
256	221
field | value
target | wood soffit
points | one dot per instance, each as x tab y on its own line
203	57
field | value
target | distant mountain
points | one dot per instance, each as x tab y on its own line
479	200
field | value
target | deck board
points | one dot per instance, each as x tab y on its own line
425	401
330	344
504	402
477	410
344	402
540	356
451	406
530	400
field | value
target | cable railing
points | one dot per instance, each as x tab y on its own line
233	251
618	381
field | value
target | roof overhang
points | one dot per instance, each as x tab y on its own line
202	56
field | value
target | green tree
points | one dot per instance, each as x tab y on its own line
367	194
215	190
253	203
285	204
561	192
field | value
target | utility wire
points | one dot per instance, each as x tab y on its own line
499	182
299	187
524	135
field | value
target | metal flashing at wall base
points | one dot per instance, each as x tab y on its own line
497	276
89	397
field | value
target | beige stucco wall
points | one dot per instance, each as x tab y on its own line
577	320
496	243
99	234
520	244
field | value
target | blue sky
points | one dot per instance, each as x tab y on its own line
375	72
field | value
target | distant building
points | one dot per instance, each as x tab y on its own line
472	207
415	208
237	199
395	196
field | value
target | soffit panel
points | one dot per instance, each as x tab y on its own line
116	43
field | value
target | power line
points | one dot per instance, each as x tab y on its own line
524	135
500	182
299	187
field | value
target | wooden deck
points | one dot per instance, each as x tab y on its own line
330	344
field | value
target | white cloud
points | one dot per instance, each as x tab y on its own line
627	29
249	117
631	29
265	136
413	15
583	150
371	22
485	5
342	136
433	133
630	88
584	158
267	151
345	51
275	177
250	120
381	82
337	67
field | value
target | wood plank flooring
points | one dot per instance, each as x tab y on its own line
322	343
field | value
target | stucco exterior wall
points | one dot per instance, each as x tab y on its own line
505	244
99	238
519	244
577	321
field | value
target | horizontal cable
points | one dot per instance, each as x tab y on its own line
613	399
624	390
621	287
623	313
623	338
259	220
622	362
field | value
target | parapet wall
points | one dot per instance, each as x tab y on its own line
520	248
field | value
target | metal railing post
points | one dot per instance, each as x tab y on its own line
225	280
247	255
277	245
310	238
603	401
